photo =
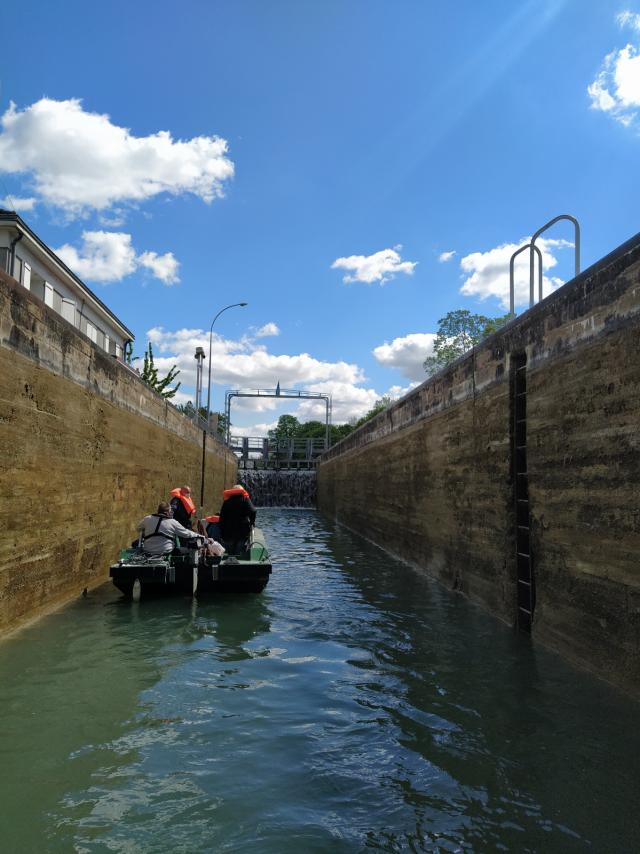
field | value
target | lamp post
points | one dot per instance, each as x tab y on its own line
199	357
204	434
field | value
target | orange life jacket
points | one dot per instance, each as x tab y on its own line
229	493
187	501
212	519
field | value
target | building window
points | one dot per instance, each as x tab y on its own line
48	294
118	351
92	332
17	269
26	275
4	259
69	310
57	301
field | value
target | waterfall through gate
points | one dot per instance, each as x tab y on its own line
280	488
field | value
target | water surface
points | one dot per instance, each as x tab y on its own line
353	706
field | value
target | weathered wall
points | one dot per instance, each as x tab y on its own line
86	449
431	478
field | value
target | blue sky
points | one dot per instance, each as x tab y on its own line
380	133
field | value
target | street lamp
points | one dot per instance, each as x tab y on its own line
199	357
233	305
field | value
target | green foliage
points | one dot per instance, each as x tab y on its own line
458	332
378	407
150	376
289	427
286	428
189	410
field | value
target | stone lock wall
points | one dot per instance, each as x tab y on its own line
86	449
432	478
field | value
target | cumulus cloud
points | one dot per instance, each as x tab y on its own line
242	363
17	204
616	87
443	257
164	267
268	330
80	160
108	256
407	354
379	267
487	273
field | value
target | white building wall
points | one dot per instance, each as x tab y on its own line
63	296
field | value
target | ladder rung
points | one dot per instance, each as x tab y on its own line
526	611
523	527
523	554
526	583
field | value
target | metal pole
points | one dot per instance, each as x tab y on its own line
204	437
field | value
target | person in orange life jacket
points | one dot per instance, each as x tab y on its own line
237	517
160	531
183	506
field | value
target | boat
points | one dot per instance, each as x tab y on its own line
155	574
245	572
137	574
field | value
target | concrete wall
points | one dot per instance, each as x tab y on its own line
431	478
86	449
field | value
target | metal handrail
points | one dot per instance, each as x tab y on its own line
547	225
512	284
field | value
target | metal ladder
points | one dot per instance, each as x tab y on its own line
524	569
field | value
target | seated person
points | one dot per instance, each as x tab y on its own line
237	517
183	506
161	529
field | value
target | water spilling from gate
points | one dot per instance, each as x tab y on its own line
280	488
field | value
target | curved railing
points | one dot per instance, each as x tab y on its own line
512	285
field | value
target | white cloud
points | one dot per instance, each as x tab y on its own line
629	19
79	160
488	272
379	267
269	329
108	256
443	257
407	354
17	204
261	429
245	364
164	267
616	87
105	256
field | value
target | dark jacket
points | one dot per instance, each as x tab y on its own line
237	515
180	514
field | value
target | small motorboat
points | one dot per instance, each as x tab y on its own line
137	574
155	574
247	571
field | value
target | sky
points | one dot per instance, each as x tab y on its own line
352	169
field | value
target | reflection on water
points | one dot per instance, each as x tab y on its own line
352	706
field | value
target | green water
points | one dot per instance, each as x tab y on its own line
352	706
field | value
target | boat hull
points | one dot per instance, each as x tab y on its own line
175	575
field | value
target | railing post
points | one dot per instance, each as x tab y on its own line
512	284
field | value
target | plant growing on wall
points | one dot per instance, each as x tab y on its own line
150	376
458	332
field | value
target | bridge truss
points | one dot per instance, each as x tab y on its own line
285	393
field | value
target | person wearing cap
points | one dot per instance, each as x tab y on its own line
237	517
183	506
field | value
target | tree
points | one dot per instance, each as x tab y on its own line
458	332
189	410
286	428
150	376
378	407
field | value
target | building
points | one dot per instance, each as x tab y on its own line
30	261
